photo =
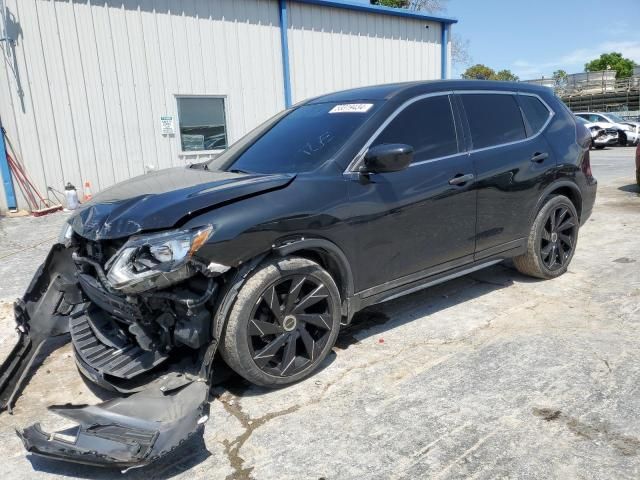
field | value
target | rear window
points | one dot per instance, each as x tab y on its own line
535	112
494	119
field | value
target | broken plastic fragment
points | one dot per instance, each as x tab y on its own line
124	432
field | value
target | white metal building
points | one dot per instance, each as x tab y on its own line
103	90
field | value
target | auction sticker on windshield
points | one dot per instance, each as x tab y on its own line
352	108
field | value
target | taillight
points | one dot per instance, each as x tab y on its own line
586	164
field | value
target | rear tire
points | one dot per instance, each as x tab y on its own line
552	240
283	323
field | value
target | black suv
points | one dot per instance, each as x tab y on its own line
341	202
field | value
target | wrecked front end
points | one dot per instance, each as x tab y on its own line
140	315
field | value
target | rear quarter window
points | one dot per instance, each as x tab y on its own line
494	119
535	112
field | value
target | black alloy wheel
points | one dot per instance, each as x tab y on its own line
290	325
552	239
558	238
284	322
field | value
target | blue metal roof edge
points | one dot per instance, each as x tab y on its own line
365	7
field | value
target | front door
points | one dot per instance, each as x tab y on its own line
420	218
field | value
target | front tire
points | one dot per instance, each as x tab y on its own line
552	240
622	140
283	323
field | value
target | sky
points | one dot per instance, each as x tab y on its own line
533	38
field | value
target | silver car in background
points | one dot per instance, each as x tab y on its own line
600	137
628	131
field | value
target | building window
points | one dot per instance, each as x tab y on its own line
203	123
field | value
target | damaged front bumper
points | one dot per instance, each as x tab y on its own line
124	432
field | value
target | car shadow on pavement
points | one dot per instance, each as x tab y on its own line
631	188
375	320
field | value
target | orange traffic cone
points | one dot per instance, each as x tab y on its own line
87	191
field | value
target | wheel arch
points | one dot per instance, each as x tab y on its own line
326	253
329	256
566	188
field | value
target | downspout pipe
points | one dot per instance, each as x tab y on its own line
7	181
444	28
284	47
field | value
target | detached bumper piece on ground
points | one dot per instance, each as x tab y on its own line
125	432
157	416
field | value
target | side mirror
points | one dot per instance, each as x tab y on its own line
388	157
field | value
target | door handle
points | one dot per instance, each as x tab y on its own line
461	179
539	157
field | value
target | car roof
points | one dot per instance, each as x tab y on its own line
391	90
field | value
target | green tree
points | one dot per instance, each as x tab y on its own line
482	72
612	61
479	72
506	75
391	3
431	6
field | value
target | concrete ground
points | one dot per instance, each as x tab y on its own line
493	375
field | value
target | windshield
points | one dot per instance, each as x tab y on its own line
303	139
582	120
615	118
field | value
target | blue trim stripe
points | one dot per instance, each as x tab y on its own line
6	174
443	55
284	47
366	7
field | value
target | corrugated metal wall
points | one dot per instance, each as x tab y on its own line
83	90
333	49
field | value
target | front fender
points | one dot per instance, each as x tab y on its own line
291	246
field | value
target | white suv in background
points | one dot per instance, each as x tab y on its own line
628	131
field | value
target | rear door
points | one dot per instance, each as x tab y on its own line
513	162
421	217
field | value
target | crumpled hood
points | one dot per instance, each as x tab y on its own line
161	199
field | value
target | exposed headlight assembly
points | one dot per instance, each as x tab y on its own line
66	235
145	260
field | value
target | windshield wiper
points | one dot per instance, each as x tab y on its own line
237	170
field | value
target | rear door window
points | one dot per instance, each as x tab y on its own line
427	125
534	111
494	119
